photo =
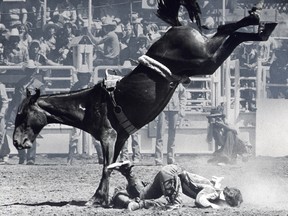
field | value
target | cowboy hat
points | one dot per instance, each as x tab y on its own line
214	113
14	33
50	25
108	22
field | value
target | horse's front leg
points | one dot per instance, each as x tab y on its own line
101	196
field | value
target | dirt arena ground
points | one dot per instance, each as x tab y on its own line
52	188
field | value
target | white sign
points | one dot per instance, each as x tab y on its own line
149	4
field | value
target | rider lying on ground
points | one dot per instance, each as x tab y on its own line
167	187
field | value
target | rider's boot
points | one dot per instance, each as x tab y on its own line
134	184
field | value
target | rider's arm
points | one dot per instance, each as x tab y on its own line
226	126
95	40
205	196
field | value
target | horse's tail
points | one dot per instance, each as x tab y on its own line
168	11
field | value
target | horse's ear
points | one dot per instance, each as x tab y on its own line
28	92
35	96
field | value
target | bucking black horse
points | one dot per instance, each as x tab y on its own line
112	113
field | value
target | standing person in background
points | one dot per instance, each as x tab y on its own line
28	82
248	57
83	76
110	42
25	37
136	155
48	45
66	11
153	33
4	101
174	109
63	38
15	54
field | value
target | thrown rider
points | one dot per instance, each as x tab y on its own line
167	187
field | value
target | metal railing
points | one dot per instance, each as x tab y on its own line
4	70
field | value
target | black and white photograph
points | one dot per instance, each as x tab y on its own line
143	107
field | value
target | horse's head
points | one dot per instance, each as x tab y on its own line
30	119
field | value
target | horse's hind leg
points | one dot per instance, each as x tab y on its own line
224	31
238	37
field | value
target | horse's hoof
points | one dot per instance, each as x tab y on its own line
265	30
92	203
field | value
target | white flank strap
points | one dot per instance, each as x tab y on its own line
155	65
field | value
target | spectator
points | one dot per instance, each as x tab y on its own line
248	58
128	34
66	11
3	34
25	37
153	33
174	109
13	53
82	13
64	37
48	47
227	143
4	101
136	21
136	155
111	44
128	44
31	82
37	57
84	77
13	13
2	59
119	30
167	188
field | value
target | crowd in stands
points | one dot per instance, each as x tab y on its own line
24	37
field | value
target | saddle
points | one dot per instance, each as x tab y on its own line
110	80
